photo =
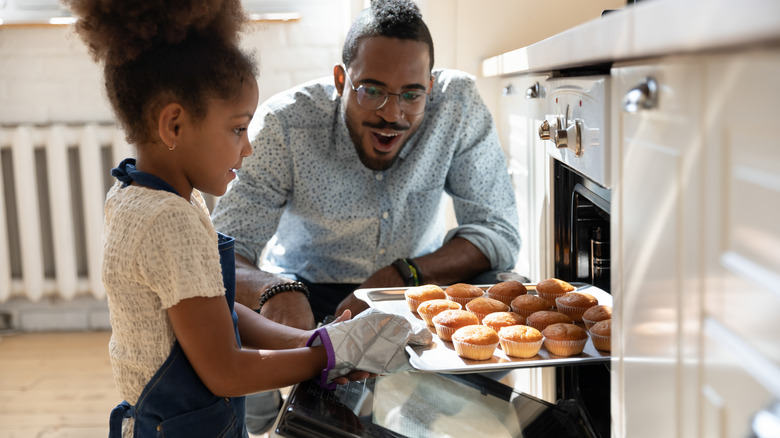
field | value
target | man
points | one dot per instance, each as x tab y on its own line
348	176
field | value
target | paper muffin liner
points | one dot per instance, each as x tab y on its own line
521	349
549	297
565	348
461	300
538	326
473	351
445	333
573	312
525	312
413	304
589	322
602	342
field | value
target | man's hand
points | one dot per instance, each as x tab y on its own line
288	308
291	309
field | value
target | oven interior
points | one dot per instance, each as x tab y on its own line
581	230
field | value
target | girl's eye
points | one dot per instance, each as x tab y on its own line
239	131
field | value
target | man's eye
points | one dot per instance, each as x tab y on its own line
412	96
373	92
239	131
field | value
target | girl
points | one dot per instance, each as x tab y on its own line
183	354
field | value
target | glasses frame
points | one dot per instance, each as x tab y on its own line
401	103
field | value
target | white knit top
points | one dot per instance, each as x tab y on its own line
158	249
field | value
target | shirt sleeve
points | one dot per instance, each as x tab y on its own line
480	185
251	209
179	258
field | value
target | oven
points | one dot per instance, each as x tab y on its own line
574	133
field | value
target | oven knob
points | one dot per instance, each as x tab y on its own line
544	130
570	138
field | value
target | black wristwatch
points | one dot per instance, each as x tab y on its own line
409	271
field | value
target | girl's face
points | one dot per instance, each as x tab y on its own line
217	145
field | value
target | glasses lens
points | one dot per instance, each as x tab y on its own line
374	97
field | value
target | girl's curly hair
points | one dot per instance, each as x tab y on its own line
159	51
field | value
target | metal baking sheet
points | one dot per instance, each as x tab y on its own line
440	356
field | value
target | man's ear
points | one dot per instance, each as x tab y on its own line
339	78
169	124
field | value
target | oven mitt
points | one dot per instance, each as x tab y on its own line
373	341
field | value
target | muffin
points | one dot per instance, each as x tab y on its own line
525	305
520	341
596	314
496	320
543	318
506	291
462	293
476	342
428	309
574	304
601	333
564	339
553	288
484	306
448	321
419	294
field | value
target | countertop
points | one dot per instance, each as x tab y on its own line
649	29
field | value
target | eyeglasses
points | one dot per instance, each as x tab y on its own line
374	97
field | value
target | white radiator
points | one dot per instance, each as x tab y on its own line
53	181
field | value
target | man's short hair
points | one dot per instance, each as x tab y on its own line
387	18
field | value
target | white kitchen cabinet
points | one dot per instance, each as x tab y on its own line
741	289
696	253
522	111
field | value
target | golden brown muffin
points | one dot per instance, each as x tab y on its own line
496	320
574	304
525	305
419	294
543	318
520	340
601	333
484	306
476	342
462	293
448	321
506	291
564	339
553	288
428	309
596	314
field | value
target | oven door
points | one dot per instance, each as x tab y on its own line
417	404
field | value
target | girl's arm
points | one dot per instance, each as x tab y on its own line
204	329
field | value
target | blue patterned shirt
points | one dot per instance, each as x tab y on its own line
329	219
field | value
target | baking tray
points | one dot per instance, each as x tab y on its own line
440	356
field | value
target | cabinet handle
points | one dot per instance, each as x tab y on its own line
507	91
534	91
642	97
766	423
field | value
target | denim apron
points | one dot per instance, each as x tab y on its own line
175	402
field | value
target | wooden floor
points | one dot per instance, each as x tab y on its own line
56	385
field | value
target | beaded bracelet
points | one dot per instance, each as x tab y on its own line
295	286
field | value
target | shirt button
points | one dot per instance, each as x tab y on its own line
385	215
379	177
382	250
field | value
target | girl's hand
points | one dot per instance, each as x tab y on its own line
354	375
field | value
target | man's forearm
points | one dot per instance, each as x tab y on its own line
456	261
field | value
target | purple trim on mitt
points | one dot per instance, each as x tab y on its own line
322	333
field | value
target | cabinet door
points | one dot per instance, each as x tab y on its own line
741	303
522	112
656	236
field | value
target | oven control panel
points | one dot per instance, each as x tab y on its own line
576	125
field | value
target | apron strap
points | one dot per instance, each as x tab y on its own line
118	414
127	173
